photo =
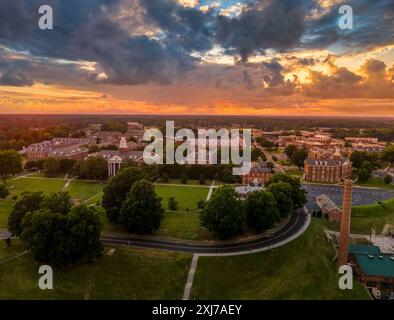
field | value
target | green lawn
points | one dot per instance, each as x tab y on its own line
85	190
376	182
82	190
183	226
190	182
128	274
187	197
370	216
48	186
301	269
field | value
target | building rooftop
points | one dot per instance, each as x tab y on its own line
372	262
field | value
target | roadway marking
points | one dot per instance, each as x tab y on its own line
190	278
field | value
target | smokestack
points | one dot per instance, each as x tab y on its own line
345	224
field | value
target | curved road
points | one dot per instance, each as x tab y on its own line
297	224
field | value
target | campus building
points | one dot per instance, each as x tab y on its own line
328	208
59	148
116	158
321	166
258	175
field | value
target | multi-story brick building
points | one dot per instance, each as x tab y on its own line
45	149
323	167
258	175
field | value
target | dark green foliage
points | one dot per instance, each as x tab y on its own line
61	240
223	214
51	167
290	149
10	163
298	195
117	189
172	204
201	179
164	177
282	194
184	178
28	202
59	202
4	191
298	158
388	179
141	212
261	211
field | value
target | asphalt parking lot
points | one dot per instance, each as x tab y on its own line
361	196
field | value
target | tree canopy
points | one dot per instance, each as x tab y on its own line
261	210
223	214
141	211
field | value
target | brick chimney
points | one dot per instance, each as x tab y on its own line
345	224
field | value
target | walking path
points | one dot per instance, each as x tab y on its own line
211	190
14	257
190	278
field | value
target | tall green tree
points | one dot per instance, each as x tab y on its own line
46	234
51	166
84	233
298	194
223	214
388	153
27	202
10	163
290	149
59	202
117	189
282	194
261	211
298	158
142	211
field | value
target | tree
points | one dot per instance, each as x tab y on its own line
223	214
257	154
66	165
4	191
388	179
117	189
172	204
358	158
28	202
282	194
298	195
298	158
290	149
10	163
141	212
84	233
200	204
45	234
61	240
96	168
165	177
51	167
59	202
364	175
184	178
201	179
388	153
260	209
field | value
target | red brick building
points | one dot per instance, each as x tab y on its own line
258	175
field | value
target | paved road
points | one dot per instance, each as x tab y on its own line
4	234
361	196
297	224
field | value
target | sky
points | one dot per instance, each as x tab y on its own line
198	57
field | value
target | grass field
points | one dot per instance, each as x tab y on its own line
82	190
376	182
187	197
183	226
190	182
301	269
128	274
370	216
